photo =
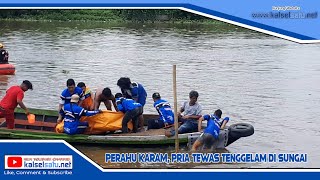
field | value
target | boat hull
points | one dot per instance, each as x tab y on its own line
45	123
7	69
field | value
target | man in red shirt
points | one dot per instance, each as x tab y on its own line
10	101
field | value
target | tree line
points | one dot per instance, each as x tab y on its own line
139	15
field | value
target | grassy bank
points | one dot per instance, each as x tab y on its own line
176	16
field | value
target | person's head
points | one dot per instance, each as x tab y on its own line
1	45
118	95
82	86
218	113
193	95
74	98
124	83
156	96
71	85
26	85
106	92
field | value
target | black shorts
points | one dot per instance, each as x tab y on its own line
207	140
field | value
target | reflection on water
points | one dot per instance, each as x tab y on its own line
268	82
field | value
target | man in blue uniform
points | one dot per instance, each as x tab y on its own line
67	93
165	112
72	112
132	110
133	91
211	132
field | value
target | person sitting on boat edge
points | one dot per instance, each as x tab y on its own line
135	91
132	110
189	114
104	95
4	55
71	113
13	98
166	116
66	95
211	132
88	101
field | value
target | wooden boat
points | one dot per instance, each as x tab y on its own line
45	123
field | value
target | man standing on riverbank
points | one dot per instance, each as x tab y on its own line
11	100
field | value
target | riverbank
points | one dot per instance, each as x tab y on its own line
115	16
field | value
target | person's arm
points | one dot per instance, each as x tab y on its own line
89	113
225	121
114	104
23	107
19	101
181	109
81	95
96	102
194	117
120	107
61	103
61	114
200	124
135	94
197	115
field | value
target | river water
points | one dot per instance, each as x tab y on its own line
254	78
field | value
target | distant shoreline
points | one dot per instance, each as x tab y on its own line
107	16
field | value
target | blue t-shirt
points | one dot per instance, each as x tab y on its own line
72	113
66	95
214	124
165	111
125	105
137	91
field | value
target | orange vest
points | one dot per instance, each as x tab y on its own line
88	101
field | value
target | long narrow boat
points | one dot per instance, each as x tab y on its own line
45	123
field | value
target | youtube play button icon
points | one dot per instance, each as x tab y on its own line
13	162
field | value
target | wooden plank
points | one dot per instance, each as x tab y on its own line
88	139
37	123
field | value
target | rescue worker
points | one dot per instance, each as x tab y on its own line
135	91
72	112
132	110
211	132
11	100
66	95
88	101
166	115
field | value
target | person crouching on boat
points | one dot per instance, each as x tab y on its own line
211	132
104	95
165	112
66	95
87	103
132	110
135	91
10	101
72	113
4	55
